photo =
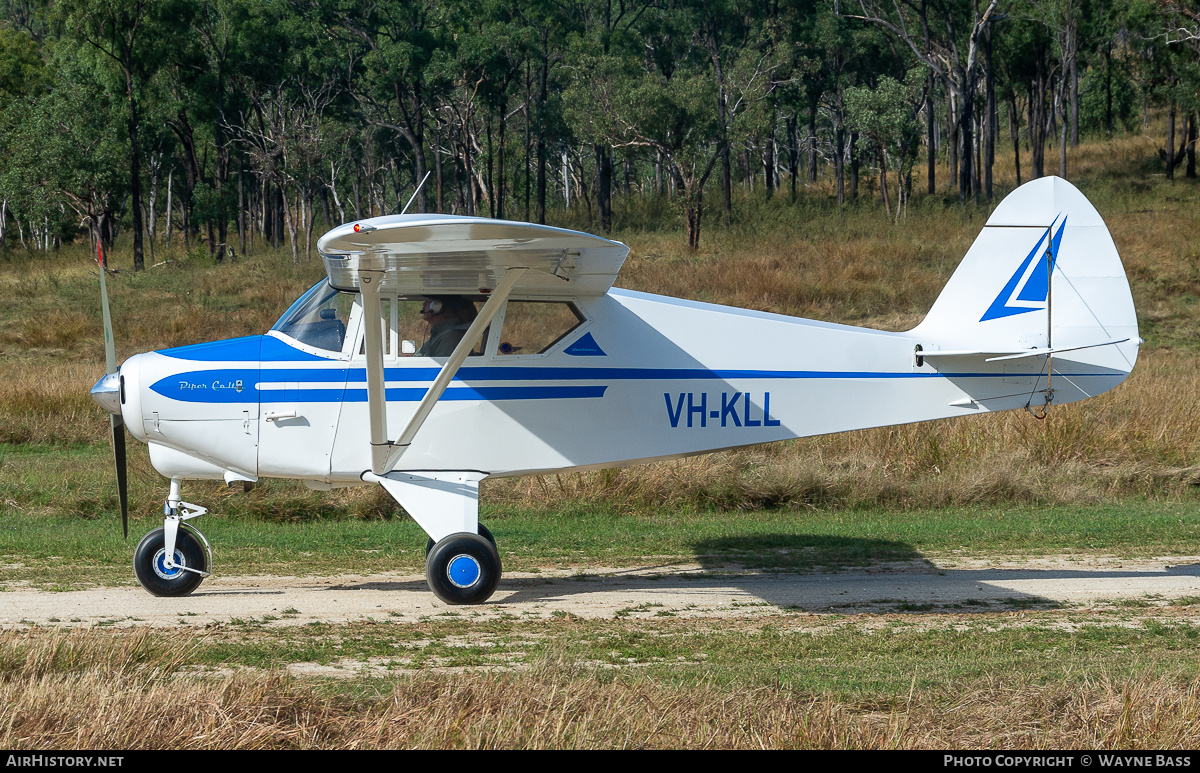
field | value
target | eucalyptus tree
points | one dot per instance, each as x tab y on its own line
944	35
399	51
63	151
491	50
804	23
226	40
1107	92
23	77
1061	18
607	26
1170	66
660	96
134	37
730	33
889	114
552	26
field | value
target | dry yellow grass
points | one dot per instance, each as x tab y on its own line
81	690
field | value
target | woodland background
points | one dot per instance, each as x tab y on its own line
242	124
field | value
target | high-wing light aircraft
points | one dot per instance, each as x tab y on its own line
561	371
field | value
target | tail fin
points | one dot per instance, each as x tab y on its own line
1042	277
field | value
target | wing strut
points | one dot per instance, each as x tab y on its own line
384	453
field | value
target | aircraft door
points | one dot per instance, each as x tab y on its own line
301	398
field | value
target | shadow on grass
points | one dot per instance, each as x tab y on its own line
799	552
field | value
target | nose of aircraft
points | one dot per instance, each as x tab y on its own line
107	392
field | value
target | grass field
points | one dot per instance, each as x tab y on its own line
1114	476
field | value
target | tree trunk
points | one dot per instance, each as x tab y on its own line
604	175
1171	158
1074	80
695	209
1063	134
793	152
993	116
854	161
289	216
726	191
170	217
931	149
952	130
967	180
1192	145
883	182
1014	132
769	164
241	215
543	92
135	166
840	164
1037	122
812	142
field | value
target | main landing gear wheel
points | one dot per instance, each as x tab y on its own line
463	569
483	532
149	563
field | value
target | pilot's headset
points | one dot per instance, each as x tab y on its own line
435	306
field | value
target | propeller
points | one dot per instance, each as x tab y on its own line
107	392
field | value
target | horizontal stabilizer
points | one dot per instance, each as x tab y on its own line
1056	350
993	356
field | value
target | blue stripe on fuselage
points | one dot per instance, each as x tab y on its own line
273	385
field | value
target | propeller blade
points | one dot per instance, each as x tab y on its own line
117	422
110	348
118	438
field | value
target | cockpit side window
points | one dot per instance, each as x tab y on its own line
318	318
407	331
534	327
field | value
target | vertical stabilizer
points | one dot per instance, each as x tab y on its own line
1043	274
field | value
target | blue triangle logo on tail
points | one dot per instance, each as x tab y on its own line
1029	285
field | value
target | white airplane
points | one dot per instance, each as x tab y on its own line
561	371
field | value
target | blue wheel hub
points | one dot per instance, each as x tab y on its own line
160	565
463	571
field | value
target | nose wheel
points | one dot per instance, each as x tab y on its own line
463	568
178	577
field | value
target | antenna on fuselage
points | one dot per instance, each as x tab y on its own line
418	190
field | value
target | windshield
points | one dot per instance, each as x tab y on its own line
318	318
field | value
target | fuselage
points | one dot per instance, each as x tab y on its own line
639	377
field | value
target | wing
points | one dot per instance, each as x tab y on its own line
451	255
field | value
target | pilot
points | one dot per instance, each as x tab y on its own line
448	316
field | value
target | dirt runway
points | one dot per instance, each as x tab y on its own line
959	585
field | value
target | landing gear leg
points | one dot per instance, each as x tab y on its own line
173	560
462	565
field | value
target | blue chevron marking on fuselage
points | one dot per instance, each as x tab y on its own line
260	348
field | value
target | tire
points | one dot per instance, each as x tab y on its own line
483	532
161	581
463	569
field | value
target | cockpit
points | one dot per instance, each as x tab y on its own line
325	317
